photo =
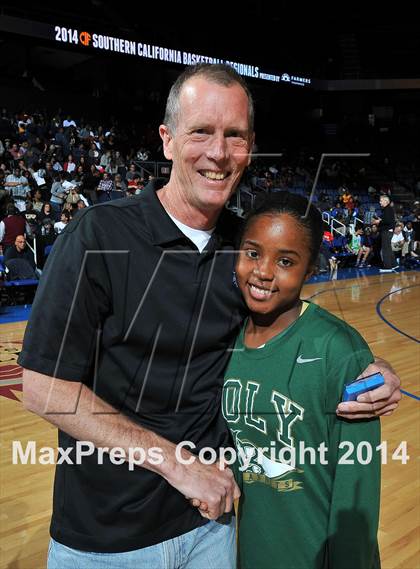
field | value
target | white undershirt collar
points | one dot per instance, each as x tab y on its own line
200	237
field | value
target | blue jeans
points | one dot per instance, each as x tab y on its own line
212	546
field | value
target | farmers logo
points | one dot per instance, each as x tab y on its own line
10	370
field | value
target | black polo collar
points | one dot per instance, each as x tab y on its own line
163	230
160	225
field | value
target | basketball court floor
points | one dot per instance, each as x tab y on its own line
384	308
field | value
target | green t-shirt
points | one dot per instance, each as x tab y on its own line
282	396
356	242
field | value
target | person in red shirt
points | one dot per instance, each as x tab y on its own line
13	224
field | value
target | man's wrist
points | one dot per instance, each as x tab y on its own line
167	450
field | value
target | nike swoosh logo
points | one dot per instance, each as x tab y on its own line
301	360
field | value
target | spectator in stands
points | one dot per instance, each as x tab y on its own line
365	248
325	253
105	159
46	238
109	142
73	138
24	147
83	164
416	227
409	239
11	226
90	183
20	250
59	226
32	220
337	211
61	142
69	208
133	185
21	165
347	202
4	168
69	166
20	265
14	152
119	161
80	173
369	214
355	243
85	132
18	187
47	231
132	172
58	195
93	153
111	168
137	517
386	225
397	243
49	174
47	211
105	188
120	185
81	205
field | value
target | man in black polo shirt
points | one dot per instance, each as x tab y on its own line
128	341
386	226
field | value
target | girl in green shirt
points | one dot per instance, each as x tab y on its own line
310	480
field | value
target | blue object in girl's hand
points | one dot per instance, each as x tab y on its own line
356	388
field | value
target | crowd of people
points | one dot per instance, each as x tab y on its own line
371	239
66	163
51	169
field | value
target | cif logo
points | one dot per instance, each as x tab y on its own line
85	38
285	77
